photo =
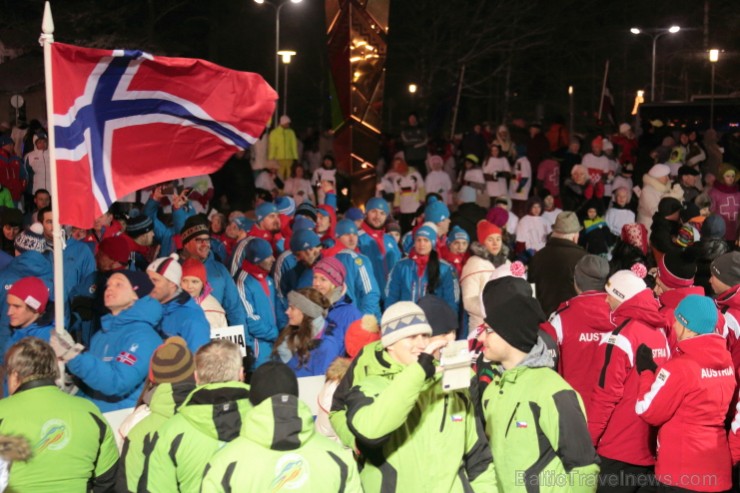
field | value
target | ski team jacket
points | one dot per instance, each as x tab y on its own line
181	316
280	449
73	448
616	430
211	415
728	304
578	326
413	436
362	286
404	284
224	290
688	400
669	300
112	372
41	328
382	262
261	330
537	428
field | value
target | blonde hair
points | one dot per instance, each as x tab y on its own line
218	361
32	359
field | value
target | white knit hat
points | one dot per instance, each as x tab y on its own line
659	170
401	320
167	267
624	284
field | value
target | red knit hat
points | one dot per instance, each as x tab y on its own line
194	268
117	248
332	269
360	333
486	229
32	291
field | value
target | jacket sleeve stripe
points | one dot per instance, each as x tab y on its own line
609	348
557	324
243	295
574	441
643	404
736	421
731	324
343	472
226	480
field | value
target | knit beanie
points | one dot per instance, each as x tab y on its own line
139	225
243	223
591	273
510	310
427	231
31	240
484	229
713	227
272	378
345	227
12	217
401	320
393	227
457	233
265	209
566	223
497	216
441	317
168	267
116	247
677	269
636	235
726	268
360	333
377	203
354	213
303	240
195	226
285	205
257	250
194	268
172	362
140	282
303	223
668	206
306	209
436	212
466	195
332	269
697	313
624	284
32	291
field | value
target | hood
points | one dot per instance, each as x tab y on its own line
282	422
709	350
642	307
649	181
538	356
168	396
146	310
180	299
217	409
593	309
479	250
671	299
338	369
31	264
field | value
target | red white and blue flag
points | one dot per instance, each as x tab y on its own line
125	120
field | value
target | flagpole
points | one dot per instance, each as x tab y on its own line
603	89
47	38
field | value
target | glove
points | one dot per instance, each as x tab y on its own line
64	346
644	360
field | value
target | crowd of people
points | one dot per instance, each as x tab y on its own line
594	292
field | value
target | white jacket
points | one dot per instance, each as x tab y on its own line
652	191
475	274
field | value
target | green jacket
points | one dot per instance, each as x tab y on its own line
72	446
412	435
274	453
212	415
282	144
139	441
537	428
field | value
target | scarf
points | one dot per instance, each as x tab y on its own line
376	234
258	273
421	262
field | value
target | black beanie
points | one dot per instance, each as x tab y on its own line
195	226
511	311
440	316
272	378
668	206
678	268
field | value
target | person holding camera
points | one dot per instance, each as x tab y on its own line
400	416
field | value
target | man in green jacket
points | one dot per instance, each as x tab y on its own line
283	147
412	436
534	420
274	453
171	380
73	448
211	415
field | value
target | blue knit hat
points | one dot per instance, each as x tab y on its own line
436	212
428	232
377	203
265	209
285	205
257	250
243	223
306	209
697	313
354	214
346	227
301	223
457	233
303	240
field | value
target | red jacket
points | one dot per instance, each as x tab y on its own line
616	430
728	304
669	300
688	400
577	326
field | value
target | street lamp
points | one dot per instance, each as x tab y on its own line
286	55
654	33
412	88
570	110
277	8
713	58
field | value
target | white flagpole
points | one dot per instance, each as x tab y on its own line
603	89
47	38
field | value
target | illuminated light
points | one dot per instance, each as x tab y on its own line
286	55
345	192
355	59
412	88
570	90
674	29
635	30
713	55
640	93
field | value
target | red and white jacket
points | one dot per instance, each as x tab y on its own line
616	430
688	399
578	326
669	300
728	304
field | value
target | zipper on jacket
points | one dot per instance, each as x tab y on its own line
511	419
444	415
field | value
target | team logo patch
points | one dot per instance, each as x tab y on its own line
358	261
126	358
55	435
291	472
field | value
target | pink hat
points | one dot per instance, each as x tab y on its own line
332	269
32	291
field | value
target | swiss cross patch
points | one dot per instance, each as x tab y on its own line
126	358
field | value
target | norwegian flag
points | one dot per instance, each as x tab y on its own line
125	120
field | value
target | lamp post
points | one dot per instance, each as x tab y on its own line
286	55
277	8
412	88
713	58
654	33
570	110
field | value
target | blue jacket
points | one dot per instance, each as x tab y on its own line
224	290
24	265
404	284
182	316
261	330
290	274
362	286
78	262
320	357
41	328
112	372
87	306
382	264
237	255
341	315
5	260
162	234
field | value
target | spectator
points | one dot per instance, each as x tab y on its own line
725	282
328	279
283	146
619	212
139	235
12	223
687	179
496	171
469	213
521	183
437	180
326	173
456	249
415	142
298	186
375	243
408	186
532	230
665	226
38	162
725	195
27	301
596	237
578	190
195	283
655	186
711	246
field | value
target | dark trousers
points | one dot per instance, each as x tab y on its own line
620	477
